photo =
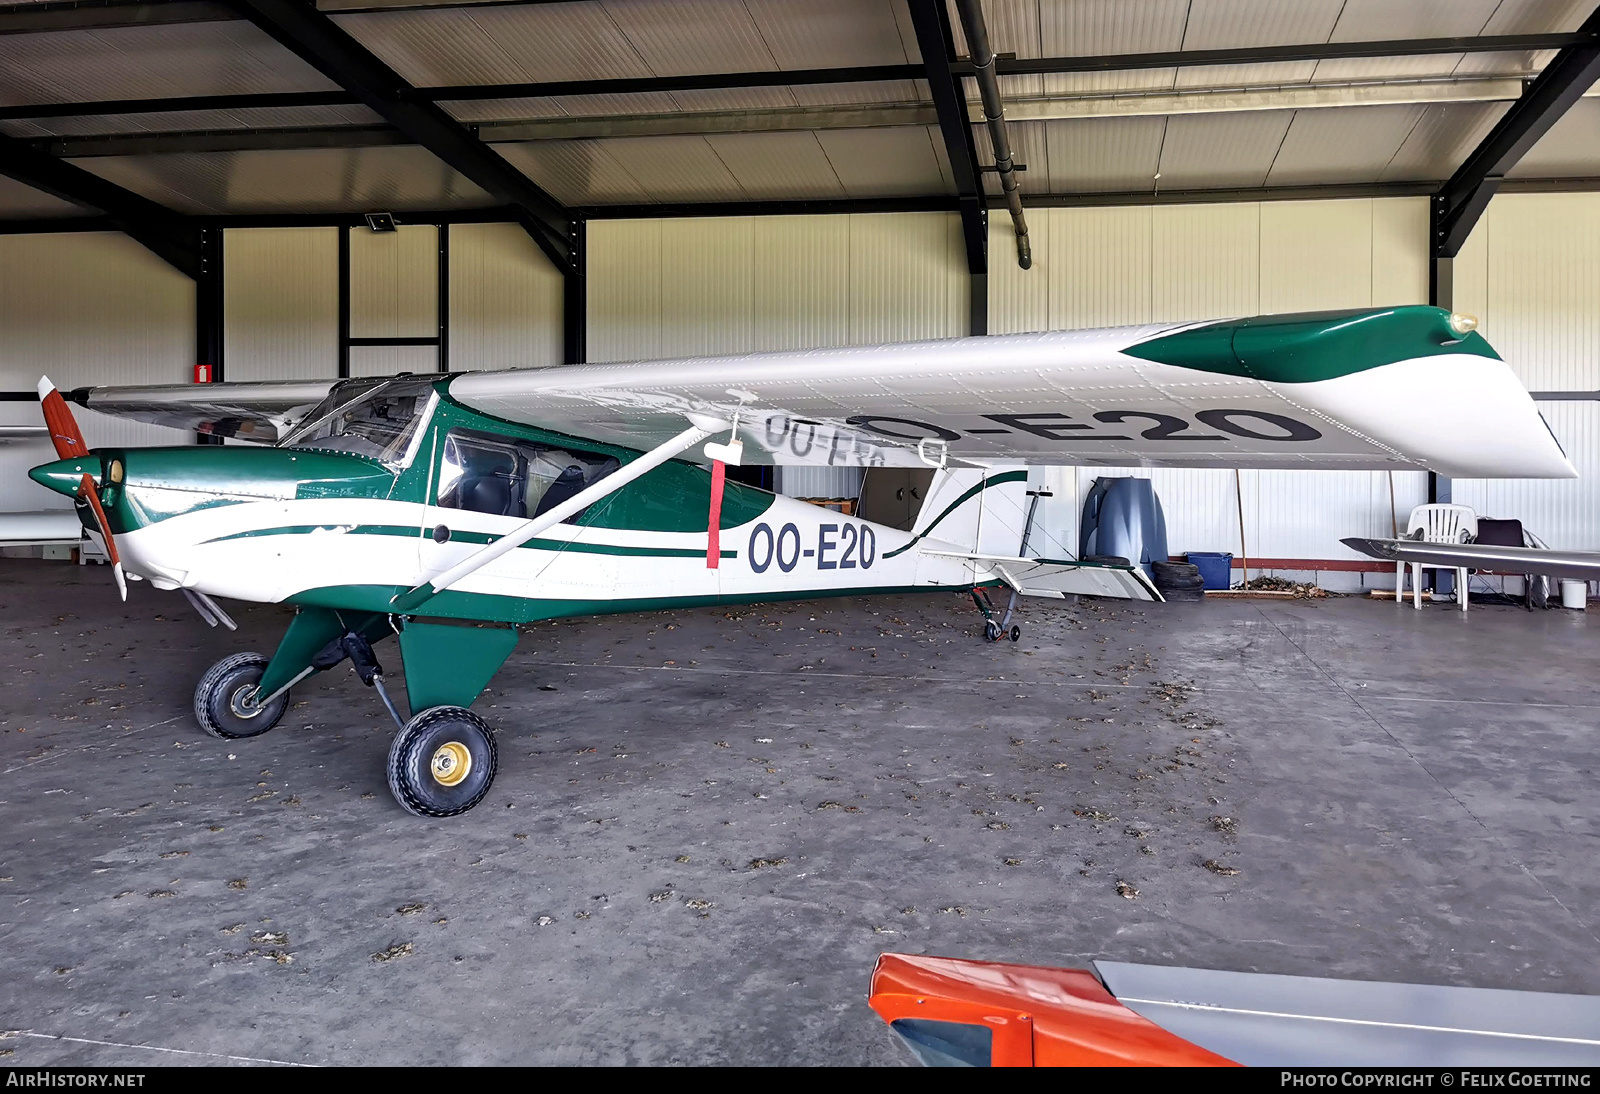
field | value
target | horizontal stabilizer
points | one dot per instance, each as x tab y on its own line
1057	577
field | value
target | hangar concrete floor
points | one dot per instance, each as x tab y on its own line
702	837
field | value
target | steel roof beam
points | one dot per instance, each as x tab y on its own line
1199	100
931	21
320	42
171	235
1462	200
1310	51
805	77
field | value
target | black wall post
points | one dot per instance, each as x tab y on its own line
575	298
208	312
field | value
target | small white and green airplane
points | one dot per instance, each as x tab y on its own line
450	509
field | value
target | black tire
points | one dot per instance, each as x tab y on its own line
218	695
1173	595
1016	634
991	631
1107	560
1195	582
1171	572
426	762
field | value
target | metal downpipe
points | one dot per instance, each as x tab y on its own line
994	116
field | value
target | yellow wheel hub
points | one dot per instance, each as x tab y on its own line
451	763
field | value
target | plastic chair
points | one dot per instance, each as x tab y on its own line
1438	524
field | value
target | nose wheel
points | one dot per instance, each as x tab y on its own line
227	702
442	762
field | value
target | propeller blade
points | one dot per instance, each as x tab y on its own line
86	491
58	419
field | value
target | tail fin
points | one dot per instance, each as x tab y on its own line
981	511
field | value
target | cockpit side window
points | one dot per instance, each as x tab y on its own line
502	476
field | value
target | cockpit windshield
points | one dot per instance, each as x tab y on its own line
376	418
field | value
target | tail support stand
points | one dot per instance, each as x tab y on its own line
1022	552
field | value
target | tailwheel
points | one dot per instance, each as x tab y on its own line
442	762
227	703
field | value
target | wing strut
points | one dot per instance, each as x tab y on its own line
704	427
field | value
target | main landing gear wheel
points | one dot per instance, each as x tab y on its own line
991	630
225	700
442	763
1016	634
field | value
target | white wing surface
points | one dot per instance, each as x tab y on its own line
1395	387
1401	387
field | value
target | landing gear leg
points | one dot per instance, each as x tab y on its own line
996	629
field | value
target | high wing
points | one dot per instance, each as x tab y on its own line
254	411
1401	387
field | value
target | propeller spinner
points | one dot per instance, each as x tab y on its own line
70	445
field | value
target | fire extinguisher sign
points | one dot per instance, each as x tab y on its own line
202	374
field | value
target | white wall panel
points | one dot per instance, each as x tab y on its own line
86	308
1101	276
1542	255
1315	255
389	360
1399	260
908	277
505	300
625	273
678	288
1205	261
801	271
394	282
280	301
706	286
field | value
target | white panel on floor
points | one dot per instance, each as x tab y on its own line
280	301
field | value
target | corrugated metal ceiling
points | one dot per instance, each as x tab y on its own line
846	163
497	43
148	62
314	180
618	39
